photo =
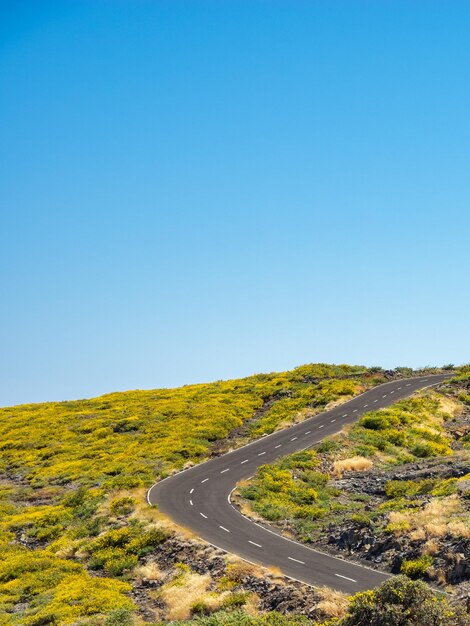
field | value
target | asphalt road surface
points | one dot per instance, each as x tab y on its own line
199	498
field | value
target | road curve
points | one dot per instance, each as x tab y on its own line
199	498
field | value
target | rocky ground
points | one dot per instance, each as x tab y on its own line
452	555
268	591
362	535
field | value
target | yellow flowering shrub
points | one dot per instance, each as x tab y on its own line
62	464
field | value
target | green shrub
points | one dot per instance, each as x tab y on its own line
327	446
415	568
361	519
401	488
445	488
200	608
424	450
121	506
235	600
119	617
403	602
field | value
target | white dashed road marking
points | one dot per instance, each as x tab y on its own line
278	446
192	490
296	560
254	544
245	461
333	421
346	578
204	516
261	453
223	528
205	480
191	503
225	470
307	432
293	438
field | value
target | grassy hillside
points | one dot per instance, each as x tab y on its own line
393	488
73	527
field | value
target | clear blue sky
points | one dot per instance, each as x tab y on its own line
199	190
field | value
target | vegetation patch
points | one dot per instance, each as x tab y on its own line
314	495
72	475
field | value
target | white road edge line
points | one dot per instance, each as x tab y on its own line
149	501
272	532
251	443
297	561
346	578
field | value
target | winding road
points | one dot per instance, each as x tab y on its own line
199	498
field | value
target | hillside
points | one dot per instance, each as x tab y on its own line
392	490
78	544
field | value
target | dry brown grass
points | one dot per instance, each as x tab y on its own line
450	406
275	572
438	518
431	547
252	605
149	571
237	570
435	530
418	535
353	464
397	517
180	595
332	603
460	529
